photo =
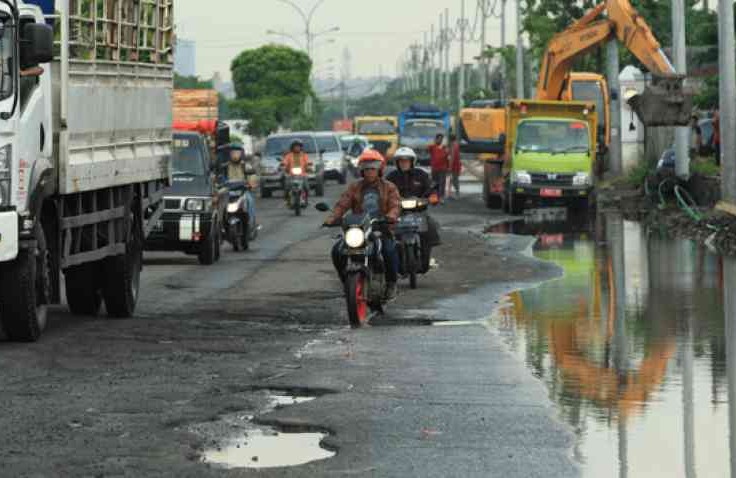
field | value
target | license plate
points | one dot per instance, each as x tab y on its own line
551	193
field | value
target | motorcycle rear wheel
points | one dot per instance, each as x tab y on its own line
356	301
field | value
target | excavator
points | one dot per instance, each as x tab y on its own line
665	101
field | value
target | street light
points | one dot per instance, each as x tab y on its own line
286	35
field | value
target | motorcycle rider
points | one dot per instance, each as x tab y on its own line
414	182
377	197
295	158
241	169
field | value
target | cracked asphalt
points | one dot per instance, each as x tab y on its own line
100	397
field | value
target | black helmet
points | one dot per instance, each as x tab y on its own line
296	142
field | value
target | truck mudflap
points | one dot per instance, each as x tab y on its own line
664	102
8	236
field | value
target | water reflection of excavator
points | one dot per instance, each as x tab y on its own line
577	314
665	102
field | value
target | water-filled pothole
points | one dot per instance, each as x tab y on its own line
254	445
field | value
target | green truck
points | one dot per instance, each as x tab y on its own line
550	154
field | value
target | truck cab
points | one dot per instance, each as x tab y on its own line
381	131
193	206
552	148
418	127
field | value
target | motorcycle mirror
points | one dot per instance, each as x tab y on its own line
322	207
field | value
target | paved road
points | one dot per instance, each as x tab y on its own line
145	396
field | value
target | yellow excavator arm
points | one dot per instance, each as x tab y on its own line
664	103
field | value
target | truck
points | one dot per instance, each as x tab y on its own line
418	127
551	149
380	130
85	111
191	106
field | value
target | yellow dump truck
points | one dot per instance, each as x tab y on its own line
381	131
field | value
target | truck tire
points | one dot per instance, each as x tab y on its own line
515	204
25	292
122	276
83	294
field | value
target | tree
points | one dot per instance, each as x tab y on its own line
191	83
271	84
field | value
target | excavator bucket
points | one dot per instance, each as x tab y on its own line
664	102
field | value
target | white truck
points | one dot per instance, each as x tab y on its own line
85	145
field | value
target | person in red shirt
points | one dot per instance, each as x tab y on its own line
456	166
439	162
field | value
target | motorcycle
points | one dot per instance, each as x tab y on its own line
413	253
240	226
365	271
298	191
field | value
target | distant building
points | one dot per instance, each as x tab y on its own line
185	57
226	88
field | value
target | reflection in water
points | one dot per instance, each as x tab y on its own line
630	343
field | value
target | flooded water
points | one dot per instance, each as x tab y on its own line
632	346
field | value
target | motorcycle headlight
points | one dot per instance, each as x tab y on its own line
196	205
296	171
233	207
521	177
409	204
581	179
355	238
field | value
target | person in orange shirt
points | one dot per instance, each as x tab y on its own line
295	158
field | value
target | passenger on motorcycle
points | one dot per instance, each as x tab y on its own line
377	197
414	182
295	158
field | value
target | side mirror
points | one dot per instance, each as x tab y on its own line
37	45
322	207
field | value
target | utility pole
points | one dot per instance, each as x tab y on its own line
346	67
426	64
727	108
682	134
461	76
503	45
614	150
483	63
519	54
448	72
432	85
439	45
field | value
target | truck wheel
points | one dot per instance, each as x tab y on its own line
266	193
207	254
516	204
122	276
83	294
319	189
25	291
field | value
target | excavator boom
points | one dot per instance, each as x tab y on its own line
666	102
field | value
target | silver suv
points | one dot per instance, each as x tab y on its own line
271	172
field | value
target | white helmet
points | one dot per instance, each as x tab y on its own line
405	153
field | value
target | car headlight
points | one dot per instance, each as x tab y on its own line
233	207
521	177
196	205
581	179
355	237
409	204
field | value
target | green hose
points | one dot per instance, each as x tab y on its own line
687	204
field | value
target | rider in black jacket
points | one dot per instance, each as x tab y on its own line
414	182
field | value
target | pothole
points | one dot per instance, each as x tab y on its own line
251	444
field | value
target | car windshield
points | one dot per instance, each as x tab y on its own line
328	143
281	144
423	129
376	127
550	136
590	91
187	158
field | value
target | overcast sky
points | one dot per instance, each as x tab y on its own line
376	32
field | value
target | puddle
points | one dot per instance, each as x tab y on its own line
251	445
268	448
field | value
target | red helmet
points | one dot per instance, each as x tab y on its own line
372	159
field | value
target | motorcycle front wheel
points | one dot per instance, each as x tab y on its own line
356	301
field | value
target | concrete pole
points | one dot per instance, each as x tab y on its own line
727	108
519	54
682	134
461	76
426	66
729	309
483	64
503	45
432	85
440	48
448	72
613	83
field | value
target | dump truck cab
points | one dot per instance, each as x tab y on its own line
551	147
592	87
382	131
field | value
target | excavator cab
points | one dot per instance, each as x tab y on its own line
666	101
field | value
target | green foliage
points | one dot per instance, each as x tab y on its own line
638	174
191	83
707	98
705	166
271	84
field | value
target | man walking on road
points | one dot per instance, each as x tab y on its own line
439	162
456	166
